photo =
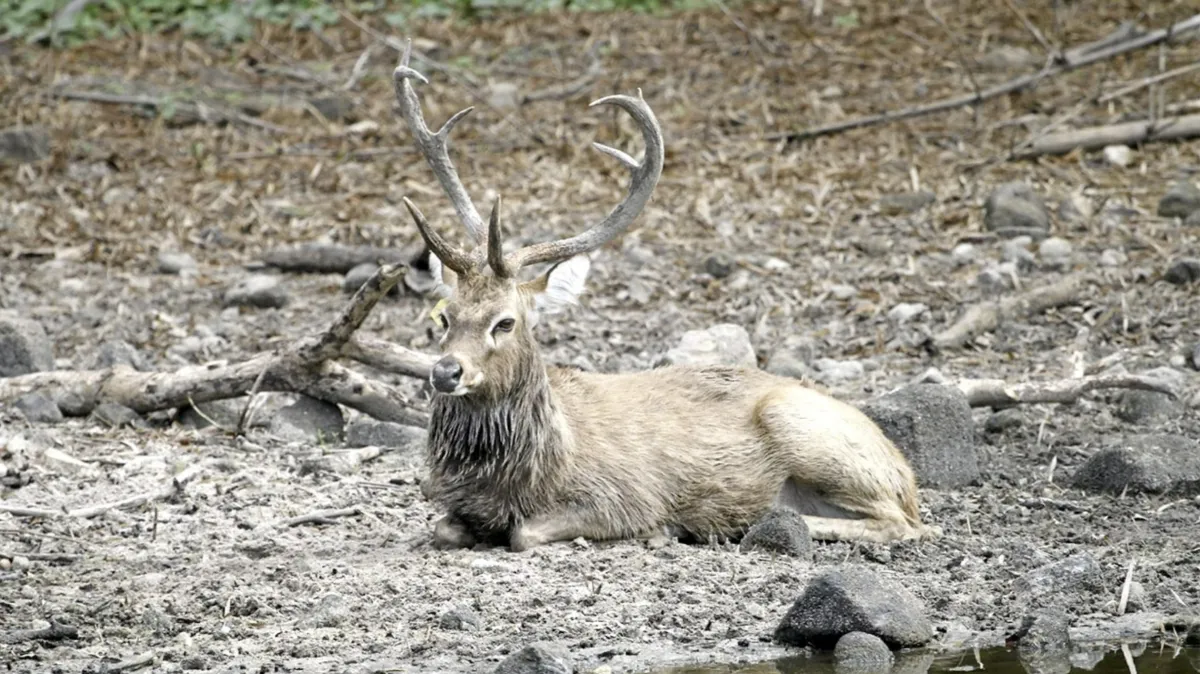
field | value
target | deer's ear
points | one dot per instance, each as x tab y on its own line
561	286
444	279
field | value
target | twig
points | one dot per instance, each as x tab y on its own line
136	662
320	517
1125	588
1128	133
54	632
200	110
998	393
43	556
1148	81
1051	49
987	316
1072	60
398	46
25	511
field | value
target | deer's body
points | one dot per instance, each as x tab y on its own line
528	454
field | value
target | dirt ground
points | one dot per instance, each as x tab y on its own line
209	580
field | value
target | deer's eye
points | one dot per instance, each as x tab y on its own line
505	325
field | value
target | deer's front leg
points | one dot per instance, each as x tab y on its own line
450	532
542	529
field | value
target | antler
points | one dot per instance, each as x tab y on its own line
643	178
433	146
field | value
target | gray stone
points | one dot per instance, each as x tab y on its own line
372	433
260	290
1014	209
537	658
932	425
461	618
862	652
1077	572
1183	271
781	531
175	263
225	413
309	420
832	371
994	279
24	347
115	415
1118	155
1180	201
1004	420
722	344
1137	597
39	408
1152	463
964	254
1055	252
1192	220
114	353
842	291
719	264
786	364
1044	643
906	311
905	202
1147	407
854	599
330	611
24	144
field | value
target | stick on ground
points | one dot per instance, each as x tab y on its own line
321	517
1128	133
998	393
988	316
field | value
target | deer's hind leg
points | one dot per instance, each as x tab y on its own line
843	475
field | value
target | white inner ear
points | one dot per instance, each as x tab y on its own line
441	289
563	286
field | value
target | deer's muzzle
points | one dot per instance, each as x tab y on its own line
446	375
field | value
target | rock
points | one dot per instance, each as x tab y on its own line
995	279
842	292
1075	207
1180	201
862	652
309	420
334	108
372	433
1112	258
1014	209
115	415
1044	643
906	311
1118	155
1141	407
175	263
112	354
1183	271
1192	220
1077	572
1017	252
260	290
781	531
722	344
1137	597
225	413
1152	463
964	254
537	658
461	618
719	264
24	144
832	371
39	408
24	347
331	611
932	425
854	599
1055	252
906	202
1004	420
786	364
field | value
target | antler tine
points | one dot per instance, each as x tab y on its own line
643	178
433	145
449	255
495	245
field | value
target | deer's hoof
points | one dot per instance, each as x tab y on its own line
448	533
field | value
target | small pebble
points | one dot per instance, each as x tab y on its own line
842	291
1054	248
964	254
175	263
1112	258
1118	155
719	265
906	311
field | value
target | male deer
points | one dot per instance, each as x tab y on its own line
528	454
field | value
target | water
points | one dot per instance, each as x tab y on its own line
1154	658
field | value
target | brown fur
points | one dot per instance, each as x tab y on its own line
535	454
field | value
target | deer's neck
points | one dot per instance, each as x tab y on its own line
497	458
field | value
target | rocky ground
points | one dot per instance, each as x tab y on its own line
839	259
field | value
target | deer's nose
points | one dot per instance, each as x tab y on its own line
446	374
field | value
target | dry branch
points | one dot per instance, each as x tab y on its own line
1128	133
987	316
306	366
332	258
173	486
321	517
54	632
1072	59
997	393
183	111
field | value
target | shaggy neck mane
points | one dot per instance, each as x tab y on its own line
500	449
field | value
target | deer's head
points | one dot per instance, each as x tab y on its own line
487	343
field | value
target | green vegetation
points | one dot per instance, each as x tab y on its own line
235	20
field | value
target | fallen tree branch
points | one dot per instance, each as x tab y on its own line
332	258
1127	133
306	366
321	517
54	632
997	393
182	111
988	316
1072	60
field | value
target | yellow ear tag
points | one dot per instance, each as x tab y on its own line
436	312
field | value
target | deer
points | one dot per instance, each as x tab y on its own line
523	454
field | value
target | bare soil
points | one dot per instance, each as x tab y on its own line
210	581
